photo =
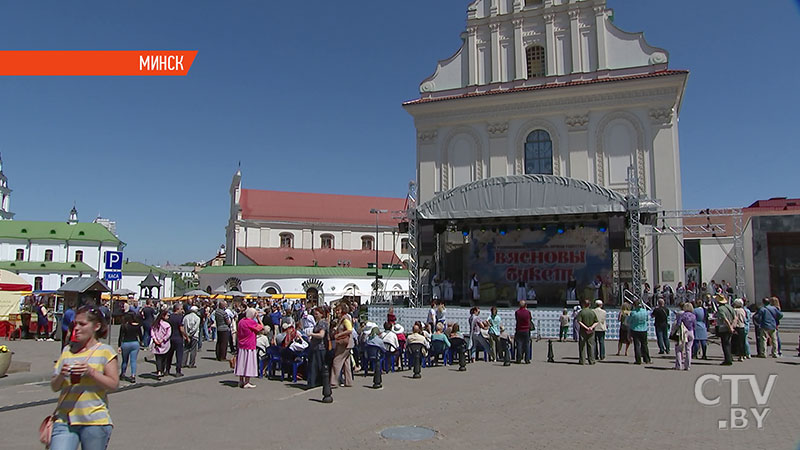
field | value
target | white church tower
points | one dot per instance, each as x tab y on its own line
553	87
5	196
73	216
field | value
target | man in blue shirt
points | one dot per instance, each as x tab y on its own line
767	319
66	323
637	322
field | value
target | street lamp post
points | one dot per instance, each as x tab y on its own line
377	276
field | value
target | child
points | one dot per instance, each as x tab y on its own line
564	325
505	346
263	338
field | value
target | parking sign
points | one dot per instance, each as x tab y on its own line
114	261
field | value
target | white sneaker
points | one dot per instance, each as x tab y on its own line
249	386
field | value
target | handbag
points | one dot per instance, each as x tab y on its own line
232	362
46	427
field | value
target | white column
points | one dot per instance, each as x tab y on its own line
495	50
575	39
550	43
472	54
506	55
519	52
600	28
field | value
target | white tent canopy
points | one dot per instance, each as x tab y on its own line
522	195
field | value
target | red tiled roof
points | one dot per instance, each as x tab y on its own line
779	203
322	257
548	86
318	208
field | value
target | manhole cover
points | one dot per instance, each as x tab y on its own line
408	433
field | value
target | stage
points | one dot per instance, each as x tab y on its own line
551	240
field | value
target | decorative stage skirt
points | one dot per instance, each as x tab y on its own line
246	363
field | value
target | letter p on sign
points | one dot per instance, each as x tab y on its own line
113	260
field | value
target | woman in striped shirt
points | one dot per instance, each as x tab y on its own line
84	373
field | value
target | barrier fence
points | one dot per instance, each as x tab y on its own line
546	320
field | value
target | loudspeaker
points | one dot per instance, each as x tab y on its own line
616	232
402	227
426	239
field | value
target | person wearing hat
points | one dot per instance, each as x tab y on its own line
191	324
725	317
390	339
401	339
600	331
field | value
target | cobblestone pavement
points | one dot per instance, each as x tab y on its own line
611	405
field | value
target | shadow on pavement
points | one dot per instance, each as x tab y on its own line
229	383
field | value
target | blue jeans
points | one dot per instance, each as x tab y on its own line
600	345
146	336
90	437
130	350
662	336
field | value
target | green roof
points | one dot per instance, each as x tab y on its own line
39	266
350	272
61	231
137	267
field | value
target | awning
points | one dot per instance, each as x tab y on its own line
522	195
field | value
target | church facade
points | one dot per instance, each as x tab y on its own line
553	87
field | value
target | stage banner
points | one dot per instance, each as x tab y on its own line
544	260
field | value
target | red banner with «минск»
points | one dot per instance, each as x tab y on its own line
96	62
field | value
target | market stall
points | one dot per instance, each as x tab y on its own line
13	288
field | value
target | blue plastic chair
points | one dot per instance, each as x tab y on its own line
262	362
301	359
274	361
375	358
438	349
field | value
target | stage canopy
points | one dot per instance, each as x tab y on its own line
521	195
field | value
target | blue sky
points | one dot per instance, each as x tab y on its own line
307	95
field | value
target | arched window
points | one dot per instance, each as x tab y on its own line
37	283
20	254
367	243
78	255
271	291
326	241
48	255
536	64
404	246
287	240
539	153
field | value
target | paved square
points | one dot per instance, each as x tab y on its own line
561	405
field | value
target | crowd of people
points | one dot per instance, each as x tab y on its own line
313	339
728	319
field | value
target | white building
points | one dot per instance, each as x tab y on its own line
5	196
48	254
133	273
273	228
324	283
554	87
